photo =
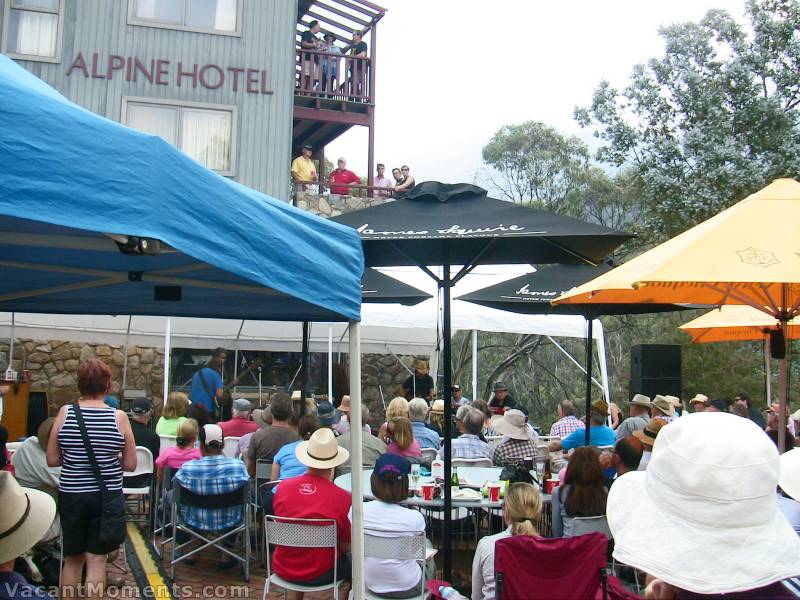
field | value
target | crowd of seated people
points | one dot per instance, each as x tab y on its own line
670	477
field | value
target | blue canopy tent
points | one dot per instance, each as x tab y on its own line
96	218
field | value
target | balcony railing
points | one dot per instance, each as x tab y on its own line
356	190
333	76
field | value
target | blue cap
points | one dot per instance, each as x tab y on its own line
327	413
391	467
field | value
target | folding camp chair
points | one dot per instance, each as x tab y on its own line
182	497
300	533
555	568
162	521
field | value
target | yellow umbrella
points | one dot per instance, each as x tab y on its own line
748	254
735	324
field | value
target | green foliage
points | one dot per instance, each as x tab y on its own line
710	122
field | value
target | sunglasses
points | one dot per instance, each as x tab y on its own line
404	169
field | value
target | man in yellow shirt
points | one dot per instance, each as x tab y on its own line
303	168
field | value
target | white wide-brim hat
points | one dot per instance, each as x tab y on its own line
513	425
25	517
704	516
789	479
321	451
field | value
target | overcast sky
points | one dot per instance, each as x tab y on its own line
452	72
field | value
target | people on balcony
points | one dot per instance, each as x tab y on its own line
398	177
382	181
309	40
303	168
407	181
341	174
330	64
358	70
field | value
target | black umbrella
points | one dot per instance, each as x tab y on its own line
457	224
377	288
532	293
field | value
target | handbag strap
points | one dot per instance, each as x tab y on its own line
88	447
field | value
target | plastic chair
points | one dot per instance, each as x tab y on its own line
472	462
161	520
392	545
429	454
494	441
182	497
584	525
167	441
557	568
300	533
231	446
12	447
144	466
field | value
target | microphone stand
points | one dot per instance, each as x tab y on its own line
259	387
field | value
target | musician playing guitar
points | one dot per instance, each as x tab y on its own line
207	387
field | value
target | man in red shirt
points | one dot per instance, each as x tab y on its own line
240	423
315	496
343	175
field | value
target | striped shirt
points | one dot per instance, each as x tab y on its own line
107	442
468	445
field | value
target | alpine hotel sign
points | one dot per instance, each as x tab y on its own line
165	72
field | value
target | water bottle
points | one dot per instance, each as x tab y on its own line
449	593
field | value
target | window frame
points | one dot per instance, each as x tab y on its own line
59	12
181	104
134	20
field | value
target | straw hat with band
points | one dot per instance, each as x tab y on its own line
600	407
512	424
260	416
703	517
662	404
321	451
640	400
649	434
26	515
438	406
345	404
699	398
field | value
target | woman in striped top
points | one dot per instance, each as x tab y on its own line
79	493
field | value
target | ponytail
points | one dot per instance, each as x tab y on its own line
523	507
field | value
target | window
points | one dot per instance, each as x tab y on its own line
210	16
32	29
204	132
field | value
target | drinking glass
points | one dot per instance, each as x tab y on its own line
415	477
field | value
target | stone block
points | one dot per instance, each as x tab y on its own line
146	369
44	348
59	364
103	351
71	365
62	353
65	380
117	358
39	357
148	356
85	353
76	352
323	206
133	361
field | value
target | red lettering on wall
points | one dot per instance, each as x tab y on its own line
252	81
161	72
138	66
220	77
192	74
78	63
129	69
115	63
235	71
95	74
264	89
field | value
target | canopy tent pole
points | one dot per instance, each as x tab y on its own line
167	342
125	356
446	284
474	364
236	362
574	361
11	343
601	362
768	370
589	322
304	369
330	364
356	478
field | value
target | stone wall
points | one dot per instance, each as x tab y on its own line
53	365
333	205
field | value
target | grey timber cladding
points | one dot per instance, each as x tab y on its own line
264	42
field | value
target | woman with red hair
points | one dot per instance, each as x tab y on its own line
81	495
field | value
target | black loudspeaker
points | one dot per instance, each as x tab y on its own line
37	411
656	361
777	344
650	386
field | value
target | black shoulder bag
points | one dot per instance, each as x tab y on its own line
110	531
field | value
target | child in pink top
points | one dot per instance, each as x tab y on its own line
175	456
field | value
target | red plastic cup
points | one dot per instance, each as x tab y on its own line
427	491
494	492
550	485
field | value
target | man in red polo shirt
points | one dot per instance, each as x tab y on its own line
343	175
315	496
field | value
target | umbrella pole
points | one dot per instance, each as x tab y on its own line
304	369
767	371
784	385
589	323
448	412
474	364
356	460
